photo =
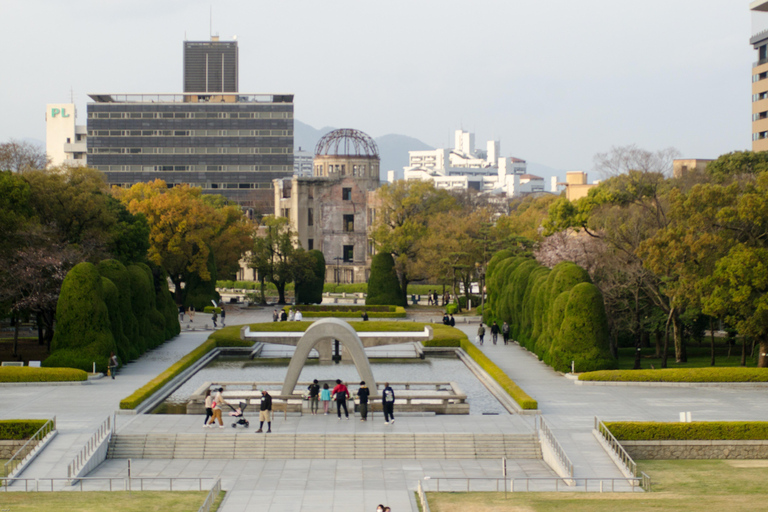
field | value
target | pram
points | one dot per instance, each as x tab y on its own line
238	413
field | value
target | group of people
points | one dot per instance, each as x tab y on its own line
280	315
433	298
382	508
495	330
214	318
448	320
340	394
213	407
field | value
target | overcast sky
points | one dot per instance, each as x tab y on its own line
556	81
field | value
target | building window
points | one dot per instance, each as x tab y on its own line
349	276
349	253
311	192
287	213
310	244
310	217
346	194
349	223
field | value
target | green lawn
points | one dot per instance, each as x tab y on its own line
148	501
698	356
684	485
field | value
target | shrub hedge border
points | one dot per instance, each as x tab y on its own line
342	311
694	431
27	374
16	430
726	374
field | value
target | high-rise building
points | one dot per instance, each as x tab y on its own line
65	140
210	66
759	41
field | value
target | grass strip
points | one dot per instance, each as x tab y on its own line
27	374
95	501
731	374
694	431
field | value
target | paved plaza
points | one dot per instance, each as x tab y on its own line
351	485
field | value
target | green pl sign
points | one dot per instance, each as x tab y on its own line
62	112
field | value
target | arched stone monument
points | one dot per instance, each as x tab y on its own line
329	329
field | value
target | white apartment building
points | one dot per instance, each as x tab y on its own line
465	167
303	163
65	141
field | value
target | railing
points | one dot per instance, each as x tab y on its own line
539	484
105	429
211	498
107	484
622	455
555	445
422	498
27	447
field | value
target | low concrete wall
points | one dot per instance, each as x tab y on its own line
639	450
8	448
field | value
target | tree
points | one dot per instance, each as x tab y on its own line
19	156
275	257
405	209
383	285
309	288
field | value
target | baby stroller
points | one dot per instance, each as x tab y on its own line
238	413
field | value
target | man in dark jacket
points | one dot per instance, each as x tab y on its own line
341	393
495	332
265	412
363	393
388	404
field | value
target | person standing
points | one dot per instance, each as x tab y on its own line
223	317
341	393
495	332
452	321
480	333
265	412
191	313
217	401
181	313
434	298
365	316
363	393
275	316
208	407
505	332
325	397
429	298
388	403
112	364
314	392
291	315
298	316
283	316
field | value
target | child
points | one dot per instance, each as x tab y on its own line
325	397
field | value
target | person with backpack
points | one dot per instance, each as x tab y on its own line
388	403
480	333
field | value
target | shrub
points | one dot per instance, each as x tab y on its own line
16	430
166	306
730	374
199	293
311	290
112	300
451	309
211	309
27	374
83	334
118	274
383	285
694	431
345	288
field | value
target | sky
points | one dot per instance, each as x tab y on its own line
555	81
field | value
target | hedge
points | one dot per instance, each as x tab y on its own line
729	374
383	284
27	374
16	430
521	397
350	311
694	431
211	309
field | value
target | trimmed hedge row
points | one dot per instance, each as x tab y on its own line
729	374
27	374
694	431
394	312
341	307
211	309
16	430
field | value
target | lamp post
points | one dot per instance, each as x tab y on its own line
338	272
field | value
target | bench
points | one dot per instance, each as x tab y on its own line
12	363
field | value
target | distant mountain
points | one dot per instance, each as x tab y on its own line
546	172
393	148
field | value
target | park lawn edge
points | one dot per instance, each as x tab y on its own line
727	374
694	431
42	374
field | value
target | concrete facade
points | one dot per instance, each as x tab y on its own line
65	140
666	450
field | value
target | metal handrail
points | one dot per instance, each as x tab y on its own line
633	482
615	445
211	498
561	455
127	483
105	429
17	458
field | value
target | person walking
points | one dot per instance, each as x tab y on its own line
429	298
363	393
495	332
283	316
208	408
112	364
314	392
191	313
265	412
298	317
341	394
388	403
214	318
275	316
181	313
223	317
505	332
217	401
291	315
480	333
325	397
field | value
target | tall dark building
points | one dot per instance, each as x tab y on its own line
210	66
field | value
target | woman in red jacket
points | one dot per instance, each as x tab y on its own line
341	393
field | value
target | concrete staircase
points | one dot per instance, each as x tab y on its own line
247	445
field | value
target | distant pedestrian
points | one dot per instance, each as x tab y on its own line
495	332
214	318
434	298
365	316
363	393
275	316
452	322
325	397
218	400
446	320
208	408
380	508
181	313
480	333
388	404
429	298
265	412
314	395
291	315
341	394
223	317
505	332
112	364
191	313
283	316
298	316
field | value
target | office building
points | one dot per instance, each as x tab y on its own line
210	66
65	140
759	42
